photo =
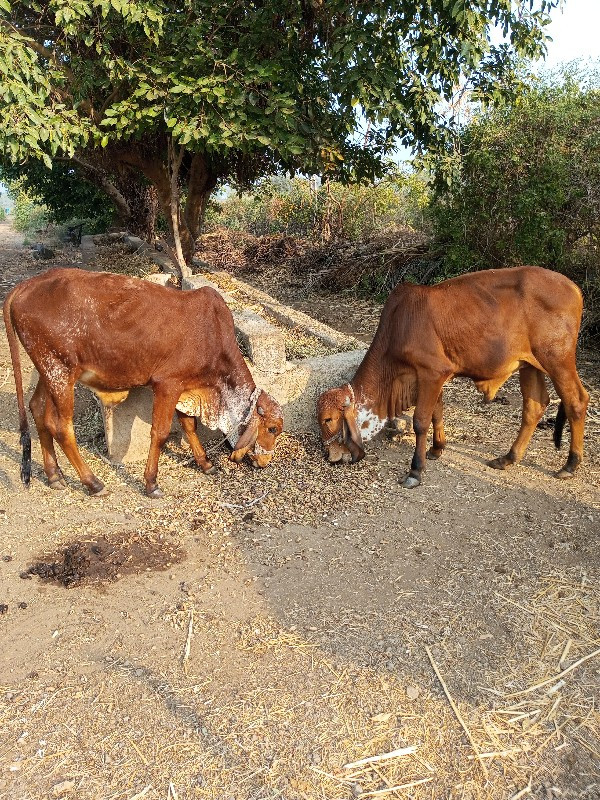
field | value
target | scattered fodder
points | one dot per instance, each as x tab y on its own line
114	255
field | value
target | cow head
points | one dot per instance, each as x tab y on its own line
336	412
257	439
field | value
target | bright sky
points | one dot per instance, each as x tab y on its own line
575	31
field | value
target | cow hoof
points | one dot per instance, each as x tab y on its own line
101	492
563	474
499	463
433	454
155	493
212	470
57	484
410	482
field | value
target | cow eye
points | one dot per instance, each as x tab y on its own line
272	430
328	419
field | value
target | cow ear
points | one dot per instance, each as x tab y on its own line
246	440
352	438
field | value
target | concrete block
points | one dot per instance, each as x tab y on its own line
297	389
88	251
161	278
200	282
293	318
127	427
264	343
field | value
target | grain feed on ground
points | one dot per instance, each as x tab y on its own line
118	257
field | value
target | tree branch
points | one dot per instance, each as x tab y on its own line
100	179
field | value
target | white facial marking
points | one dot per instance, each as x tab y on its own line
369	424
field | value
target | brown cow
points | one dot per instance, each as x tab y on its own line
483	326
111	333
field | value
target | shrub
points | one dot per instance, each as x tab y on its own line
527	183
324	211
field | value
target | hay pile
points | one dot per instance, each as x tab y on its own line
236	251
114	255
381	260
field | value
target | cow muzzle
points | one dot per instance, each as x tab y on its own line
260	457
337	453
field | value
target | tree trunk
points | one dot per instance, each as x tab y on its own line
175	159
135	201
201	183
159	175
142	199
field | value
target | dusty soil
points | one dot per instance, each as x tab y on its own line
253	633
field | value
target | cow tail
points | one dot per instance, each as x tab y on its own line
561	418
13	344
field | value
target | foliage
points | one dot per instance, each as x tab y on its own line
323	88
330	210
63	192
527	186
2	214
28	214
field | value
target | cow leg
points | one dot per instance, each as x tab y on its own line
188	425
37	405
439	435
575	400
58	419
535	402
428	398
162	416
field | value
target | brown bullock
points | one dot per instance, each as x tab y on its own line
483	326
112	333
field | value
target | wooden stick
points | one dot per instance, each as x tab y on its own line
502	753
138	751
381	792
403	751
188	642
565	653
456	711
330	776
556	678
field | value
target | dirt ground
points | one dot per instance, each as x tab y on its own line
255	635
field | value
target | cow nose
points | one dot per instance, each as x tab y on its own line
261	461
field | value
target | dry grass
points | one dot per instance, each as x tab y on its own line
299	721
116	256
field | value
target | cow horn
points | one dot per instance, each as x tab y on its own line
260	410
347	402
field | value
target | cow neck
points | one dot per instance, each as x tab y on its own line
371	397
237	404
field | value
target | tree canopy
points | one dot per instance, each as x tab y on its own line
188	92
